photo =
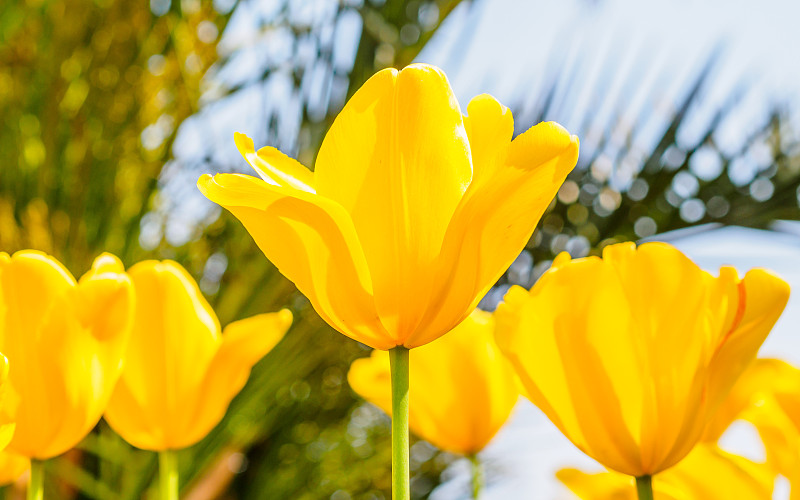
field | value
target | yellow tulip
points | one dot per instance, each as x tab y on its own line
65	342
768	396
412	212
462	389
707	473
180	372
630	355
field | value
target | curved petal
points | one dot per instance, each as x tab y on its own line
275	167
175	336
462	389
398	160
764	297
78	359
244	343
311	240
498	214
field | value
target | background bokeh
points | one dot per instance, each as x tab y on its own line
111	109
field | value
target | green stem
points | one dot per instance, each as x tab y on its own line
644	487
36	483
398	360
168	474
477	476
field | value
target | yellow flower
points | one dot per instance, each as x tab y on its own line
412	212
462	388
65	343
768	396
630	355
707	473
180	374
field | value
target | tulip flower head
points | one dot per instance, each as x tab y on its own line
65	343
631	355
412	212
462	388
707	473
181	372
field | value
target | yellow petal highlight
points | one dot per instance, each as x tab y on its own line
462	389
180	372
275	167
397	159
413	211
707	473
65	341
631	355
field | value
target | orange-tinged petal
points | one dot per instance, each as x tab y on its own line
514	185
462	389
69	360
643	341
312	241
765	296
398	160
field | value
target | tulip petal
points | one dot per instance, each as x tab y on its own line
311	240
275	167
765	297
79	352
244	343
174	339
498	215
398	160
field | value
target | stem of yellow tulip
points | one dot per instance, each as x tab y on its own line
477	476
36	482
168	474
644	487
398	361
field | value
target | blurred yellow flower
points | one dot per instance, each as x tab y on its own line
768	396
12	467
462	389
707	473
180	374
630	355
413	211
65	342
